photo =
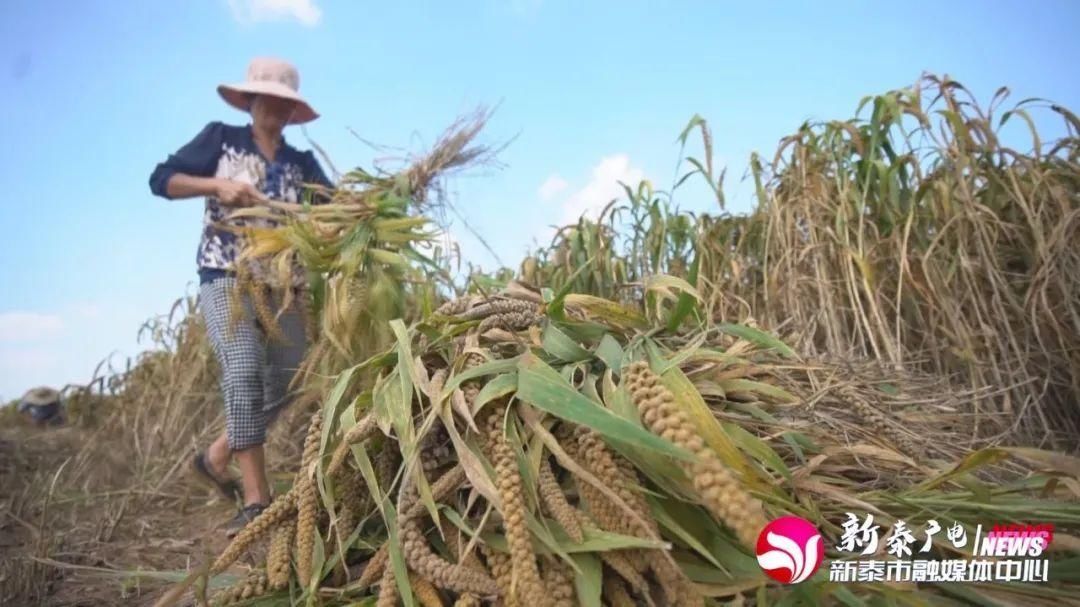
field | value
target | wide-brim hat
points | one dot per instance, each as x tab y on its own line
269	76
41	396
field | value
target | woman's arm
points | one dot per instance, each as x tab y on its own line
194	164
230	193
189	172
180	185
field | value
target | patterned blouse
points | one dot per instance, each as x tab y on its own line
229	152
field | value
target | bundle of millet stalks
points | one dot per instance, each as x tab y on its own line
515	452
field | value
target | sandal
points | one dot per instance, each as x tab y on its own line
242	518
229	489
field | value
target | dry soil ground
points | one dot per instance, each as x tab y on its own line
73	533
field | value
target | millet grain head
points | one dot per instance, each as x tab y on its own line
721	493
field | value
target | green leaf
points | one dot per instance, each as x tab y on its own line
665	284
395	260
318	560
389	516
403	418
380	406
617	400
542	387
588	582
664	472
588	388
687	302
556	305
597	540
695	120
758	338
757	448
673	525
398	410
796	440
330	407
406	377
559	345
681	356
734	559
889	389
716	356
974	460
493	367
610	352
584	332
454	517
500	385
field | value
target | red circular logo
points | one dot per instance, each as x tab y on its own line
789	549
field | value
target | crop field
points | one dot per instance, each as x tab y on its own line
893	330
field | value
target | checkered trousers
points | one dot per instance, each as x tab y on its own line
255	369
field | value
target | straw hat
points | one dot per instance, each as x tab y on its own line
269	76
41	396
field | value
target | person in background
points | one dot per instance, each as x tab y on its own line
234	167
43	405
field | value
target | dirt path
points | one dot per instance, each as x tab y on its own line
73	533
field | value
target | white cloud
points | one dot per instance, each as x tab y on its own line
28	326
602	188
23	368
552	186
253	11
28	364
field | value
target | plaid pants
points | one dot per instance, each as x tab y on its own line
255	370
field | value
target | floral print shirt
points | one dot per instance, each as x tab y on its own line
230	152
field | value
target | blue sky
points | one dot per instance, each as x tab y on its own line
95	94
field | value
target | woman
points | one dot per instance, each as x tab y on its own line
235	167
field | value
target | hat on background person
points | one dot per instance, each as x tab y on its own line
42	403
269	76
40	397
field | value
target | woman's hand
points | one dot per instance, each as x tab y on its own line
237	194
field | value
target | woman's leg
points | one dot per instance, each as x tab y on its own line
241	354
252	464
219	455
